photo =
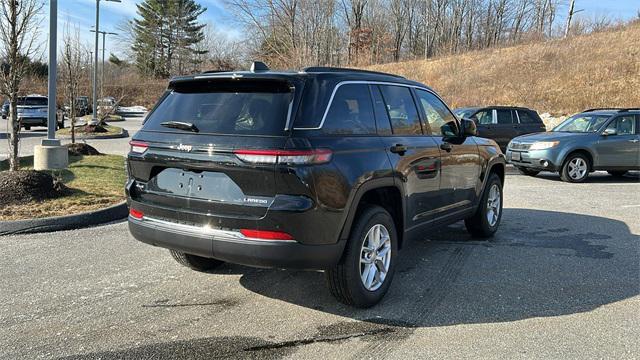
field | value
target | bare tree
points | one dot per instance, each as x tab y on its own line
73	54
19	22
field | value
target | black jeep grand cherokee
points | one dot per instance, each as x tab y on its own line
325	168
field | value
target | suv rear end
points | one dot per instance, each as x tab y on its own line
231	185
33	110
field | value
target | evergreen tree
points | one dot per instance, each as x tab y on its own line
166	35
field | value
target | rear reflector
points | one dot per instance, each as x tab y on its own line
136	214
266	235
316	156
138	147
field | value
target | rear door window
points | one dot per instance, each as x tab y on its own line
401	109
526	117
504	117
383	124
252	107
351	112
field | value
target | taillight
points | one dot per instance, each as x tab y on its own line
138	147
296	157
136	214
266	235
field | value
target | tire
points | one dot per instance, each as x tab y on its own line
617	173
27	127
576	168
345	280
194	262
528	172
479	225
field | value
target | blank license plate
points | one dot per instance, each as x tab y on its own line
515	156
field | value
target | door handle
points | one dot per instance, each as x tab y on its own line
446	146
398	149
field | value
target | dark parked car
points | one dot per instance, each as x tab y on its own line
82	105
503	123
33	110
596	139
5	109
326	168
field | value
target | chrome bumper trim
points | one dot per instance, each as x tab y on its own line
204	232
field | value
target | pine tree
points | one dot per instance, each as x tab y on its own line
166	34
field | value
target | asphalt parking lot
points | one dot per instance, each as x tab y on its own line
560	280
31	138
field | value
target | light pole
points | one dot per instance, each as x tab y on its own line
50	155
94	119
104	45
53	62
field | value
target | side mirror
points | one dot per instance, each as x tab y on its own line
609	131
469	128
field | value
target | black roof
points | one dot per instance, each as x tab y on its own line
328	73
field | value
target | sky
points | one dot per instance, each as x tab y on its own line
81	14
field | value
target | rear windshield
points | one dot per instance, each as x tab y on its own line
255	107
32	101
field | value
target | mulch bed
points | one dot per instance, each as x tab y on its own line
17	187
79	149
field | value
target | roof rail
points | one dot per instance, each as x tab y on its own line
605	108
214	71
612	108
317	69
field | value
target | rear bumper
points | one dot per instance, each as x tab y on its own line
33	121
231	246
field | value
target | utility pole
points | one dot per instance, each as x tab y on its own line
94	119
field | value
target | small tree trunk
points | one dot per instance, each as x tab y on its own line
14	161
73	120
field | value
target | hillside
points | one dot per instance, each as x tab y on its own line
559	76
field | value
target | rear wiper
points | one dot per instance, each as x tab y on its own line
180	125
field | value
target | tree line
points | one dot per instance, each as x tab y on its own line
295	33
169	38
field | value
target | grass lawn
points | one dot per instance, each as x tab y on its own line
95	181
111	130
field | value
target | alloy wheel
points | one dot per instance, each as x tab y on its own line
375	257
493	205
577	168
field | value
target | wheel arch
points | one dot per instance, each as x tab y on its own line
384	193
582	150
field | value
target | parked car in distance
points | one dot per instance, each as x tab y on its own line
4	111
248	168
503	123
82	106
595	139
33	110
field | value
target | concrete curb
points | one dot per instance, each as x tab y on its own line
68	222
123	134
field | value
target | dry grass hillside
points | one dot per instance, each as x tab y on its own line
559	76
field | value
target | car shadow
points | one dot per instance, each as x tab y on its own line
540	263
596	177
